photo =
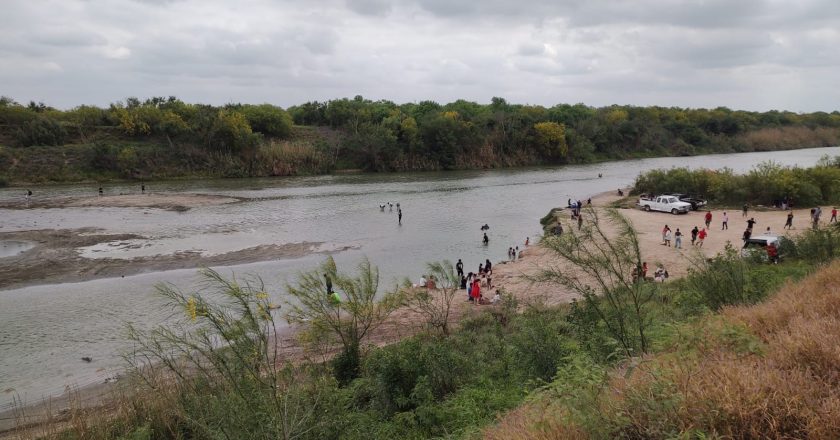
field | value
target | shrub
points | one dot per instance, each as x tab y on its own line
41	131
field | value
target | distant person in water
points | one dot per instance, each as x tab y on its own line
142	188
382	207
28	195
486	239
527	241
100	190
399	216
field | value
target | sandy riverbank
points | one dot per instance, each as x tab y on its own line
172	202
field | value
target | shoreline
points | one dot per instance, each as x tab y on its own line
508	275
355	171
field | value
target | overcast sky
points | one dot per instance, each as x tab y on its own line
744	54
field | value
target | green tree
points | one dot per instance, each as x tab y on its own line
269	120
551	140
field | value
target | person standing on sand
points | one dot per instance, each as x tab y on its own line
459	266
665	230
708	218
744	210
667	238
694	233
678	239
833	215
701	236
725	224
527	241
789	221
475	292
750	223
328	282
816	217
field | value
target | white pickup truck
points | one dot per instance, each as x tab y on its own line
665	204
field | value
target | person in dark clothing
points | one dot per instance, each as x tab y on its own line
328	282
487	265
747	234
789	221
486	240
399	216
694	233
750	223
459	266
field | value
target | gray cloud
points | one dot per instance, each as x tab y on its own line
753	54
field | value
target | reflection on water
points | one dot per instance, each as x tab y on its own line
45	330
10	248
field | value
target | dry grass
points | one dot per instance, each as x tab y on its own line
765	371
767	139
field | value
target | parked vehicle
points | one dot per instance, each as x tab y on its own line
664	203
696	202
758	244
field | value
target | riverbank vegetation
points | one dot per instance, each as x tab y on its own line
767	184
739	348
168	138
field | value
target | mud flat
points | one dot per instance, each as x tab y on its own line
172	202
55	258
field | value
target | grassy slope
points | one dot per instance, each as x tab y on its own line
768	371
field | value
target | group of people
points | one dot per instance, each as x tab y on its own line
698	237
390	206
473	283
659	275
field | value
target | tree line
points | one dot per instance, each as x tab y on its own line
385	136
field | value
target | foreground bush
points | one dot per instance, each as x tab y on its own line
762	371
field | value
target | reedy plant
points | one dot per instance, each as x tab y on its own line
350	320
217	365
601	267
435	306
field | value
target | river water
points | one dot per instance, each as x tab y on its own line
45	330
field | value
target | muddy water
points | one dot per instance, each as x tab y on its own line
45	330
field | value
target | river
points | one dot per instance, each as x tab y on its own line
45	330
